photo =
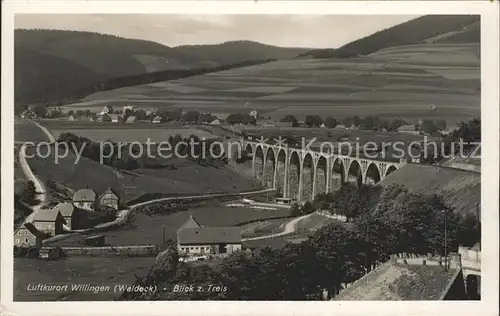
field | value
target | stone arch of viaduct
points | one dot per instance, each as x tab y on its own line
302	174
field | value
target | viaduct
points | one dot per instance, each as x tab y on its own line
301	174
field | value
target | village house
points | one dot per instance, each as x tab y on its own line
85	199
194	239
115	118
49	222
106	110
340	126
66	210
28	236
110	199
157	119
131	119
128	107
72	117
215	122
27	114
103	118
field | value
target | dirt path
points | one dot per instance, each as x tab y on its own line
28	172
39	187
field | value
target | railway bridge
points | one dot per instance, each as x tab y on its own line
301	174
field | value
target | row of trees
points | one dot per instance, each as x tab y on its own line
334	255
365	123
191	147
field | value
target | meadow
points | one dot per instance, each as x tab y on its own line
188	177
405	81
148	229
121	132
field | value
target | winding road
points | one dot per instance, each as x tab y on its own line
28	173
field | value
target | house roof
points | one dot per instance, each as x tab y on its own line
66	209
400	282
46	215
209	235
84	195
109	190
190	223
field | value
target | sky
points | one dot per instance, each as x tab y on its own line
311	31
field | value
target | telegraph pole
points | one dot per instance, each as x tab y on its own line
445	242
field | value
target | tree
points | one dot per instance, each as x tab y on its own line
40	110
441	125
29	193
395	124
330	122
313	121
292	119
427	127
191	116
140	115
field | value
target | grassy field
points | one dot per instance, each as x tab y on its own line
121	132
147	229
25	131
264	227
76	270
460	189
400	81
133	135
189	177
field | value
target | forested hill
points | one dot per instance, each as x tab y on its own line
109	55
430	28
38	77
239	51
55	66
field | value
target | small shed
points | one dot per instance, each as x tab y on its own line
50	253
95	241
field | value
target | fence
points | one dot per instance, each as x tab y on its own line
125	251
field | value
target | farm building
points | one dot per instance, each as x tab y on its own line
109	198
215	122
340	126
85	199
49	221
410	129
66	210
131	119
193	239
115	118
128	107
72	117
